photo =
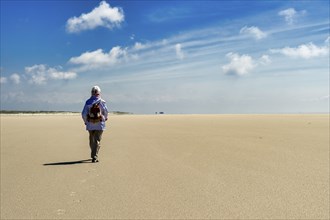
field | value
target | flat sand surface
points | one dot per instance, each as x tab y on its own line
166	167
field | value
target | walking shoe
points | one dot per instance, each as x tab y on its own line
94	160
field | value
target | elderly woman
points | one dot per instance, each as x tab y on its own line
94	114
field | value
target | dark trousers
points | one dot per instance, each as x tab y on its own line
94	142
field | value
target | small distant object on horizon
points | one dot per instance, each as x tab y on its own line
121	113
161	113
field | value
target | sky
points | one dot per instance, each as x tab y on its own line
178	57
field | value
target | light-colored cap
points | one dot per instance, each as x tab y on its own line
96	90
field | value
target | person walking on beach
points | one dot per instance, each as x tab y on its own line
94	114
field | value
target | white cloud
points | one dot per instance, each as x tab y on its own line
56	74
254	32
15	78
325	97
39	74
139	46
179	52
290	15
264	60
239	64
305	51
98	59
3	80
327	41
102	16
317	99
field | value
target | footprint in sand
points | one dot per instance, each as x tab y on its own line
60	211
73	194
91	170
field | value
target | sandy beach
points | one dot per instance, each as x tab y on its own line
166	167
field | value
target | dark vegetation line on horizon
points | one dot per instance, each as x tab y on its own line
131	113
53	112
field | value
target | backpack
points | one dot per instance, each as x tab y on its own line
94	114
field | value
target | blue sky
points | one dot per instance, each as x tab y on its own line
171	56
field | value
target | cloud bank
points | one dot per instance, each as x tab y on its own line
3	80
102	16
15	78
40	74
305	51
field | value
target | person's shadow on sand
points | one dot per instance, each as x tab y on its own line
68	162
